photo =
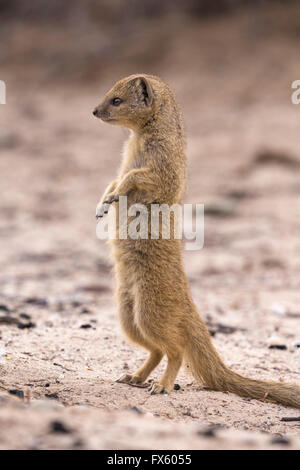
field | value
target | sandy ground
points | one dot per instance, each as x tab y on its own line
244	165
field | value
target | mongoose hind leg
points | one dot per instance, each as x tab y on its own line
126	315
163	326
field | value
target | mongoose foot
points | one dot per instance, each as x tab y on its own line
133	380
156	388
103	207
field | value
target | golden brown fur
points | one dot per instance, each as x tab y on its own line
154	301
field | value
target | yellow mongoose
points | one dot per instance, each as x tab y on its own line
154	301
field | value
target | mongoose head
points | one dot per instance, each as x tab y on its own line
130	103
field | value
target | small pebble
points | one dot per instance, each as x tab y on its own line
136	410
25	316
59	427
78	443
282	347
290	419
23	326
85	310
4	308
17	393
209	431
276	342
280	440
53	396
37	301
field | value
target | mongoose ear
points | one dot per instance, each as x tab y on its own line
145	92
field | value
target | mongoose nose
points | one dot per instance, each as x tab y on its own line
95	112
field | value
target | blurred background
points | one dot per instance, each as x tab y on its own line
231	64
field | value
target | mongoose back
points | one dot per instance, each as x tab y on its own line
155	306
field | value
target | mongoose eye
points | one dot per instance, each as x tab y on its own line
116	101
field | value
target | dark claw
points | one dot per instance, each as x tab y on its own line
110	201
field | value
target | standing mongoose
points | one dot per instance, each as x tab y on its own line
155	306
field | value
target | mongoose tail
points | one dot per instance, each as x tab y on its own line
208	367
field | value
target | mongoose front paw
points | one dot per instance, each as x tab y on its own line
103	207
